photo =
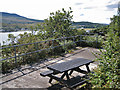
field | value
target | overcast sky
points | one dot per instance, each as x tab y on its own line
98	11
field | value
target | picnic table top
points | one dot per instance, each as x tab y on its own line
68	65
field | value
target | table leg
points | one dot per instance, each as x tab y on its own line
71	72
50	80
65	74
87	67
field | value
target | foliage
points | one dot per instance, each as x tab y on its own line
58	24
81	32
107	74
101	31
8	27
115	24
68	44
92	41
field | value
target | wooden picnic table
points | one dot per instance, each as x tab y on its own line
65	67
71	64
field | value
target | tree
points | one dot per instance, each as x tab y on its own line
58	24
115	24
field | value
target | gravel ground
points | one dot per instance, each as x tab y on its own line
30	77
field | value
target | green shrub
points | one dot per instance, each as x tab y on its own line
89	41
67	45
107	74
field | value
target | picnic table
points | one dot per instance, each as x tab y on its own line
67	69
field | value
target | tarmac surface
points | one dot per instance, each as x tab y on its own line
30	77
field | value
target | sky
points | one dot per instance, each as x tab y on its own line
97	11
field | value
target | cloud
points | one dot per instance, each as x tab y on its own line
83	10
78	3
81	14
111	1
112	6
90	7
108	18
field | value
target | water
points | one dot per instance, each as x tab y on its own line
4	35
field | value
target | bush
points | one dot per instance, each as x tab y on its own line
107	74
67	45
89	41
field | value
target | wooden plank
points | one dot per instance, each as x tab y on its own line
75	81
46	73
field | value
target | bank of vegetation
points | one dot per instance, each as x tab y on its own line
107	74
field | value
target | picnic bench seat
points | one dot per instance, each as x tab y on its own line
46	73
75	81
71	83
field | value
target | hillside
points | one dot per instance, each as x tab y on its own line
11	18
14	22
87	24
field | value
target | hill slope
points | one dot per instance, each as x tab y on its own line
87	24
11	18
14	22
